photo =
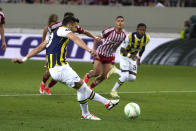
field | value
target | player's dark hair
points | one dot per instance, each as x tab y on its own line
141	24
0	9
52	19
68	14
77	20
119	17
69	20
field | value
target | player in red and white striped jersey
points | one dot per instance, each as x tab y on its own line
50	29
2	22
111	37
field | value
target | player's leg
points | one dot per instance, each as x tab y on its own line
105	69
84	94
113	70
50	85
95	72
125	66
46	76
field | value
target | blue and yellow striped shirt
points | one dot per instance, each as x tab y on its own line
56	50
133	45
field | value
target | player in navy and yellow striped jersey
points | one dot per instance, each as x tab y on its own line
61	71
131	51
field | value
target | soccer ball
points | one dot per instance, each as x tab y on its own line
132	110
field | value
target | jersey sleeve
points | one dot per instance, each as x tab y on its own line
62	32
54	26
2	18
125	43
80	30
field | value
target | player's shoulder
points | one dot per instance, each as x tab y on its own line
1	13
147	35
124	31
108	29
63	31
63	28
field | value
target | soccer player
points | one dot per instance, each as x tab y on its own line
111	37
50	29
2	22
61	71
131	51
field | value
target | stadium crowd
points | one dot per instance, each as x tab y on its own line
152	3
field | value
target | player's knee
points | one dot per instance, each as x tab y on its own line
78	84
131	78
103	77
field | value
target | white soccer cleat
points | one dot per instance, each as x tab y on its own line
112	71
111	104
90	117
114	94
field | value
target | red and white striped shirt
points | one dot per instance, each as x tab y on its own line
2	18
111	40
56	25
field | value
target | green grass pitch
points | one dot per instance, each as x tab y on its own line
166	95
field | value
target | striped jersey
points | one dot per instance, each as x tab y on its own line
56	25
133	44
56	48
2	18
111	40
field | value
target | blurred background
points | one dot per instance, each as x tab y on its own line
166	20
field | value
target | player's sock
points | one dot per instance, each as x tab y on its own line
45	78
93	84
120	81
84	108
83	99
94	96
52	83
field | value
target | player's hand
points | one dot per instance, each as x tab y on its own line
17	60
3	46
97	38
92	52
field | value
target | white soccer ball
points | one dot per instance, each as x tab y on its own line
132	110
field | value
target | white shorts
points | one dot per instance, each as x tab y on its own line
64	74
128	64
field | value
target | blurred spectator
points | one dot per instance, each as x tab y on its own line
160	3
184	34
126	2
139	2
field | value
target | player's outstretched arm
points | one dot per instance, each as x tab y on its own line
4	45
92	36
32	53
44	33
80	43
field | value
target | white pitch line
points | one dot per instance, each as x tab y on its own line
134	92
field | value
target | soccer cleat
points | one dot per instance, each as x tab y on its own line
111	104
90	117
47	91
114	94
86	79
112	71
41	89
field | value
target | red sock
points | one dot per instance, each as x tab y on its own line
93	84
52	83
45	78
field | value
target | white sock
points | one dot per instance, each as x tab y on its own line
84	108
96	97
121	80
83	99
